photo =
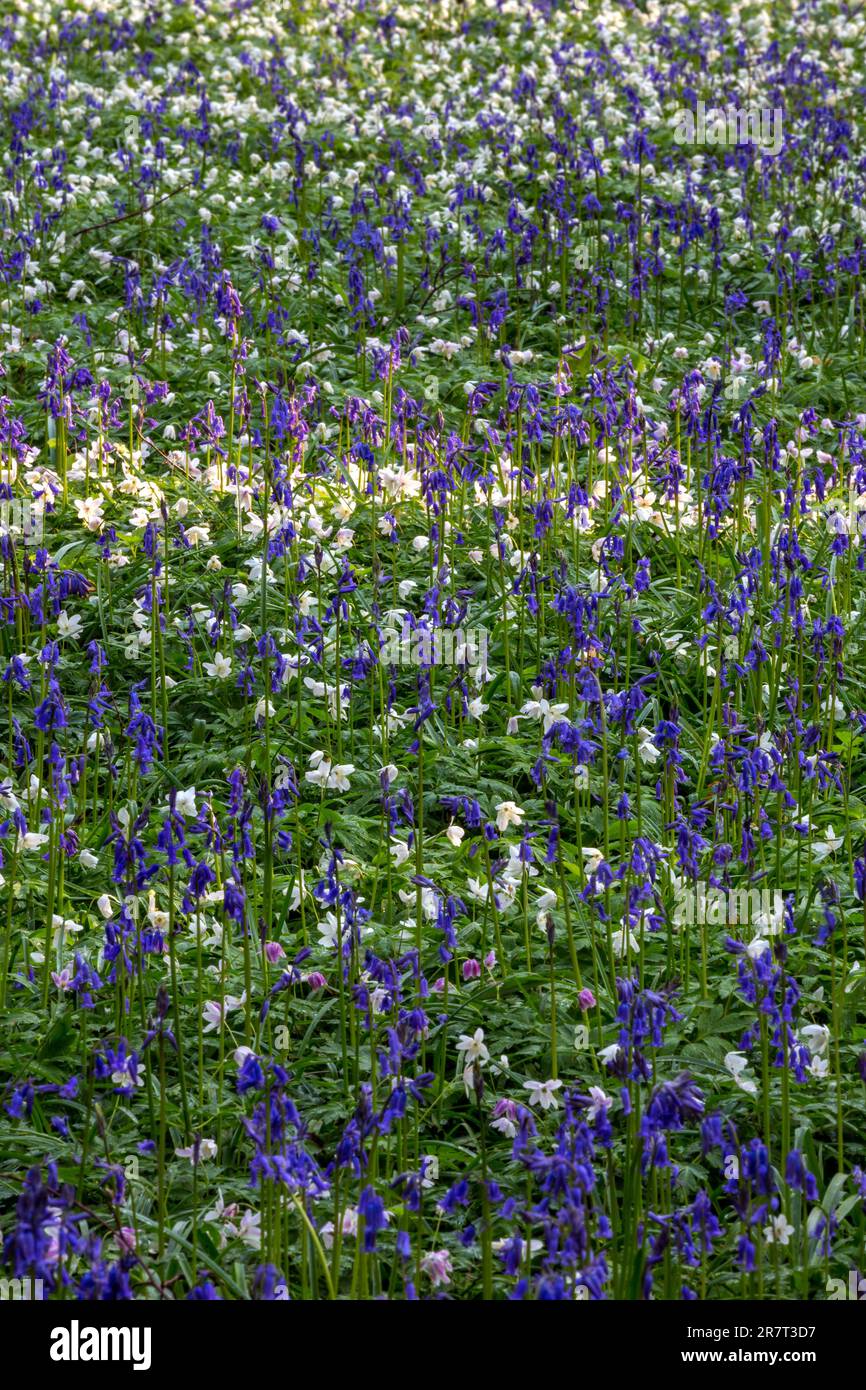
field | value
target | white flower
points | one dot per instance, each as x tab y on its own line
771	922
329	930
592	858
124	1078
185	802
220	667
477	890
64	927
349	1224
508	813
542	1093
249	1229
474	1048
454	835
325	774
736	1063
757	947
160	920
89	511
647	751
320	769
223	1216
399	851
779	1230
214	1013
436	1264
817	1037
339	776
829	845
624	940
600	1101
477	707
207	1149
540	708
66	626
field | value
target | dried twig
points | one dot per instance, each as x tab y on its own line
125	217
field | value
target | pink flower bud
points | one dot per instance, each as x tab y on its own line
126	1238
